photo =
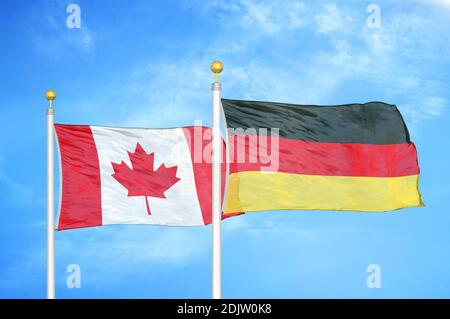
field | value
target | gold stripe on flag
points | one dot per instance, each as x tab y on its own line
261	191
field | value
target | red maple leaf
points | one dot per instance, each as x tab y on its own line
142	179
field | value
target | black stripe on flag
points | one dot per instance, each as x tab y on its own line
369	123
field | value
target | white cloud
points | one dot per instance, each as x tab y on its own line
389	60
57	42
257	81
272	17
261	230
333	20
434	106
167	94
444	3
423	108
266	17
392	61
53	37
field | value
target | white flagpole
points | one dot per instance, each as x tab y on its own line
50	95
216	67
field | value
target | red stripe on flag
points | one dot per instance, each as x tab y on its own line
81	187
199	141
316	158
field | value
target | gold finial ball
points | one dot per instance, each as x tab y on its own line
216	67
50	95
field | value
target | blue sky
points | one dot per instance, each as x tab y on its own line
146	63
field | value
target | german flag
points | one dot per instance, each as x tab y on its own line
353	157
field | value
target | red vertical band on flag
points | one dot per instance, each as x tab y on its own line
81	186
200	146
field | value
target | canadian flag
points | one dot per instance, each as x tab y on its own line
134	176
